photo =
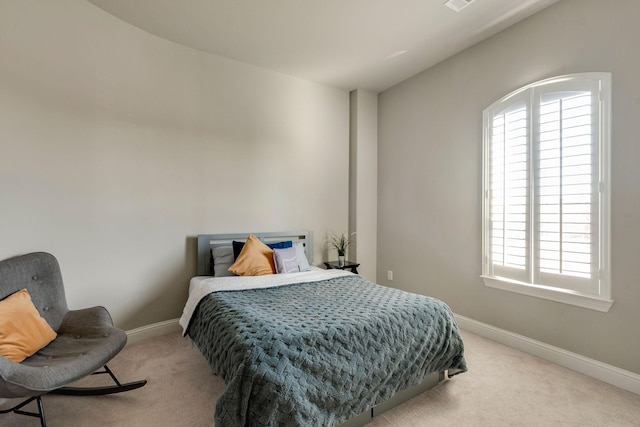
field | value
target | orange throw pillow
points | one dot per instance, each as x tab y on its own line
22	330
255	259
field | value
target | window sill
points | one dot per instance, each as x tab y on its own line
567	297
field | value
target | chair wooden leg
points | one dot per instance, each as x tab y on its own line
99	391
43	422
76	391
18	410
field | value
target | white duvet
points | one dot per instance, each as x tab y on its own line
201	286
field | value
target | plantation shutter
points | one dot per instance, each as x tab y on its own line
566	189
508	199
546	185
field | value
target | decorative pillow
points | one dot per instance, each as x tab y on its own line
303	263
22	330
281	245
255	259
286	260
221	260
237	246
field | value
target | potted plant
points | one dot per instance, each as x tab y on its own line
340	242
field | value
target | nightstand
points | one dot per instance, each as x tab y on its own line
348	265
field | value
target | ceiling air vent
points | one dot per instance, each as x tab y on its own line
458	5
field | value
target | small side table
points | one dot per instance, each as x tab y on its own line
348	265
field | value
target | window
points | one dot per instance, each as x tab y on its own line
546	191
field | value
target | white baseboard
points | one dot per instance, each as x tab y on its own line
153	330
610	374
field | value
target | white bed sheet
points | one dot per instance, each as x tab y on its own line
201	286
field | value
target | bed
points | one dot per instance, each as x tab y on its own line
312	347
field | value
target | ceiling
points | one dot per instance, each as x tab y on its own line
349	44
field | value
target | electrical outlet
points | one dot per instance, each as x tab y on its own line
389	275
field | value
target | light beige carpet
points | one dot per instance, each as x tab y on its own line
504	387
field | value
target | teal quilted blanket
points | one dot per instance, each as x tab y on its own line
317	354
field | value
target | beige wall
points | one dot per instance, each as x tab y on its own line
363	181
430	161
117	148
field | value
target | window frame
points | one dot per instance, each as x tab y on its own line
599	297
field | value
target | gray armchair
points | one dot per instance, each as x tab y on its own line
86	339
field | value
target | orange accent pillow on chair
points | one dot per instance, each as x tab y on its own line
22	330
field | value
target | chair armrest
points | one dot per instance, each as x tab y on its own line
81	321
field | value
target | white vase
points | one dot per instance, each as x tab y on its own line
340	260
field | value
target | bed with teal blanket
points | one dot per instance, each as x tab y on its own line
316	348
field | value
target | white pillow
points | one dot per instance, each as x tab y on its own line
303	263
291	260
285	260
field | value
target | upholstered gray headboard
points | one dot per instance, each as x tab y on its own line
208	241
